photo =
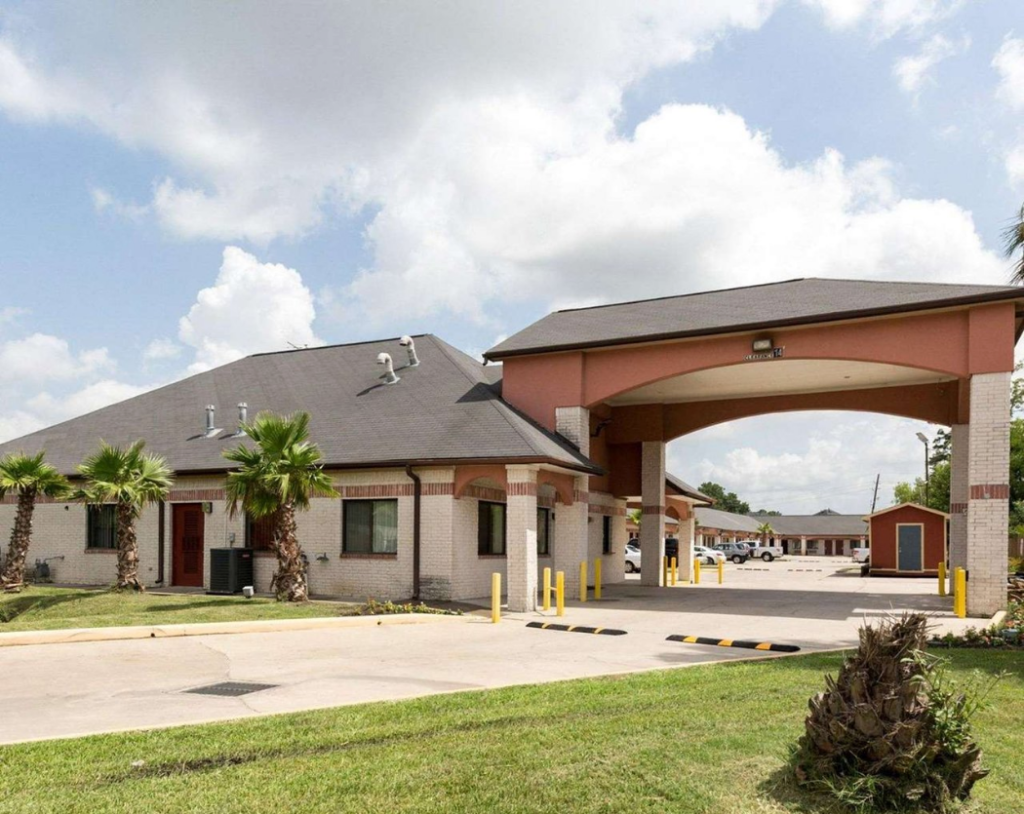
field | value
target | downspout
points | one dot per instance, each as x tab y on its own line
417	491
161	507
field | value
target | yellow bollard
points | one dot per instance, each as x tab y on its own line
721	571
942	579
961	593
597	578
664	570
672	571
560	593
495	597
696	572
583	581
547	589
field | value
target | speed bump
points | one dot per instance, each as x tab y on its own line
775	648
602	631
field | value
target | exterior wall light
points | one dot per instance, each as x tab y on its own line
762	345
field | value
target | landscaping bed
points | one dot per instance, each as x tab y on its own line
1008	634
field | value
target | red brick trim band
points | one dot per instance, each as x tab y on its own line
11	498
438	489
990	491
611	511
184	495
382	490
653	510
522	489
958	508
580	496
484	493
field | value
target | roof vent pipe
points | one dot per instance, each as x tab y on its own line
243	417
389	376
211	428
410	346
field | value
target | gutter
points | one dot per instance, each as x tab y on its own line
161	509
417	492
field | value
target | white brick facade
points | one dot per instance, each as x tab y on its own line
959	491
652	528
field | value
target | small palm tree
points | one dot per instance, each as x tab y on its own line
131	480
30	476
1013	242
765	530
274	479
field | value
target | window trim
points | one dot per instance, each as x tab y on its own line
91	510
247	534
479	530
370	554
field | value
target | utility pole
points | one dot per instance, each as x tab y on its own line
874	500
927	456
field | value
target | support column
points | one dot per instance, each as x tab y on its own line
988	501
959	494
803	546
521	542
652	529
572	536
687	535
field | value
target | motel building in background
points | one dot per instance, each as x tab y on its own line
456	469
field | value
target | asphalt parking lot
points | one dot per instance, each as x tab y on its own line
61	690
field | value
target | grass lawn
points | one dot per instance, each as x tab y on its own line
710	739
45	608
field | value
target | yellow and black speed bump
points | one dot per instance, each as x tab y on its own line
775	648
603	631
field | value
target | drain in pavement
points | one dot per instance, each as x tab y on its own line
231	688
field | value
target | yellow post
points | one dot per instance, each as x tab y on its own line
961	593
583	581
664	570
942	579
696	572
597	578
495	597
560	593
672	571
721	571
547	589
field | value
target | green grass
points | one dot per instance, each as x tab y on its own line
711	739
45	608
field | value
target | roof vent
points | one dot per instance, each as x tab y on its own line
243	417
211	428
389	376
410	346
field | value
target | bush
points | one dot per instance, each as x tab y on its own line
890	733
375	608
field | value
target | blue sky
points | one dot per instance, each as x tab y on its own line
187	184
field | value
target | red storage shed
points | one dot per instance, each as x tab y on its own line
907	540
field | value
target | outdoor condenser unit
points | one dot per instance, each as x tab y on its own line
230	570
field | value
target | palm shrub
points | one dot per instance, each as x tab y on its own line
889	733
29	476
130	479
765	530
274	479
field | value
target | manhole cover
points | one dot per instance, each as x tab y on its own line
231	688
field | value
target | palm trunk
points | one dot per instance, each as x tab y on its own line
13	577
289	583
127	550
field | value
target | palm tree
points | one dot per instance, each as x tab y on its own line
1013	241
29	476
274	479
765	529
131	480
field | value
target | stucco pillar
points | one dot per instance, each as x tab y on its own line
571	536
687	538
521	545
989	493
959	492
652	529
803	546
573	424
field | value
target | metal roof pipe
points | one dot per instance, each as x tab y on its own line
410	347
417	492
389	376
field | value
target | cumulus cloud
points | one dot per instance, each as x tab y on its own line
161	350
885	17
914	71
251	307
1009	64
104	201
41	357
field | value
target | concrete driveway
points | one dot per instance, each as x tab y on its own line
61	690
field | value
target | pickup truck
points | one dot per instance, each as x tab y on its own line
766	553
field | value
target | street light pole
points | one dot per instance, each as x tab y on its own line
927	456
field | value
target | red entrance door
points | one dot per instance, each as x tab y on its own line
187	554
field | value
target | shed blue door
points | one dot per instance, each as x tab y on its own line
910	545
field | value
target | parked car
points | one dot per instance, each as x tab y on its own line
632	558
861	554
766	553
737	552
708	555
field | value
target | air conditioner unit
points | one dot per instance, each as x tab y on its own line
230	570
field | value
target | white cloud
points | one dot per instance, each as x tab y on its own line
1009	64
914	71
252	307
10	313
50	409
104	201
41	357
1015	165
885	17
161	349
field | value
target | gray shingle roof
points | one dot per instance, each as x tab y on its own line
762	306
787	525
447	409
684	488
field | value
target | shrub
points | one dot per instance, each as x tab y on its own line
375	608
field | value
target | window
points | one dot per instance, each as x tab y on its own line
490	528
101	524
543	532
259	532
370	527
606	535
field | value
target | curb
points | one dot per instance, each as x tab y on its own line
106	634
768	646
601	631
